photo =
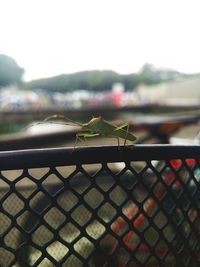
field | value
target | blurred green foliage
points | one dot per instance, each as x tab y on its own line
10	72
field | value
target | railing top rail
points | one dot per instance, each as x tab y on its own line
35	158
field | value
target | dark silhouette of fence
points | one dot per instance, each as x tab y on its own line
100	206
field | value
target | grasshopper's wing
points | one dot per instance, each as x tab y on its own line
107	129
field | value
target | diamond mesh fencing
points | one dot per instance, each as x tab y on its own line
100	206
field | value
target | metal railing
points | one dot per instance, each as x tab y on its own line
100	206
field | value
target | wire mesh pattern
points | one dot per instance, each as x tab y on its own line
103	206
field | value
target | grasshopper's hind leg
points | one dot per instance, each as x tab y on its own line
125	125
127	129
118	142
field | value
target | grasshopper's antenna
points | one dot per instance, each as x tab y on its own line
48	120
63	118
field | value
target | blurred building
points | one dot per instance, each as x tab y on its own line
182	92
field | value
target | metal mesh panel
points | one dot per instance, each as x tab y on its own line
103	206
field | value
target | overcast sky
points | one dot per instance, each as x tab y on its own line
50	37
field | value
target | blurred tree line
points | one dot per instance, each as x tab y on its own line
96	80
10	71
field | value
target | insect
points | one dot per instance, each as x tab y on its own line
97	126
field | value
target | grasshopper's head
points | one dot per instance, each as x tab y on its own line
95	119
93	123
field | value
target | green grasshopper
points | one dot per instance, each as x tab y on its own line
97	126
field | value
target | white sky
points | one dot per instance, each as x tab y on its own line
50	37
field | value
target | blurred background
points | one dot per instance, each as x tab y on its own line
134	61
128	61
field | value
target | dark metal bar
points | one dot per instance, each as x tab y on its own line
86	155
22	115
